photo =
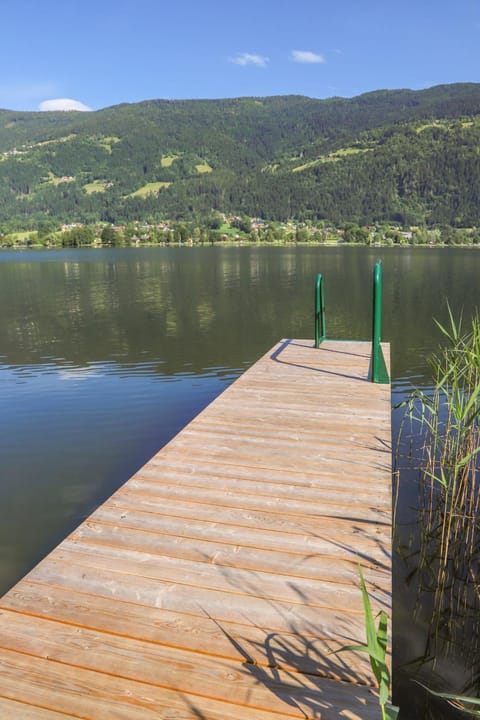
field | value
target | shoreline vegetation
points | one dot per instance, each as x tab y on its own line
221	230
442	561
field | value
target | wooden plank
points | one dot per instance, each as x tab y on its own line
13	710
136	537
217	582
279	458
311	490
183	598
91	695
177	669
370	510
305	652
233	581
371	546
297	541
288	533
160	467
275	616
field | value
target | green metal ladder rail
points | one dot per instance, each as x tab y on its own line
320	325
378	365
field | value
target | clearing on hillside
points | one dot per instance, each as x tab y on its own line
332	157
203	168
149	189
95	186
167	160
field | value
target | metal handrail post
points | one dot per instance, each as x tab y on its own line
379	370
377	318
320	323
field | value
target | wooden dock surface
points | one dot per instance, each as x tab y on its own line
215	584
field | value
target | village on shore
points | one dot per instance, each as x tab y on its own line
220	229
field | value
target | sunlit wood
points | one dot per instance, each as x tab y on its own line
218	580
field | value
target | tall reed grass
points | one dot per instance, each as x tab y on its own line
447	420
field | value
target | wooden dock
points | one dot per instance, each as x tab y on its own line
215	584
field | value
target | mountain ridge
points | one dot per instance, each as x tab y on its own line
406	155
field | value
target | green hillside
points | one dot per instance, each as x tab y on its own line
404	156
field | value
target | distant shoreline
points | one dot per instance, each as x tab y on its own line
231	244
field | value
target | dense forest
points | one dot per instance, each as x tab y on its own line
403	156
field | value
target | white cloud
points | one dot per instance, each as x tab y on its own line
62	104
307	56
250	59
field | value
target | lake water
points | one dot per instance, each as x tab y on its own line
106	354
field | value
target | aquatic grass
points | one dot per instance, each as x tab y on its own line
460	702
452	457
376	649
447	459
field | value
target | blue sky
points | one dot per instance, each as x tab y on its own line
102	52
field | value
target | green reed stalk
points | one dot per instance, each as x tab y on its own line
376	649
449	466
464	703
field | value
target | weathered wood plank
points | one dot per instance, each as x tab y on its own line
281	458
372	542
247	609
310	490
13	710
303	652
136	537
296	542
211	472
232	581
157	664
368	510
91	695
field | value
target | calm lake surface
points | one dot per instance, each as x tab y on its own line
106	354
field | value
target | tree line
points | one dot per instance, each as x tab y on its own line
220	230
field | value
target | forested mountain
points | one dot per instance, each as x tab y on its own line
411	157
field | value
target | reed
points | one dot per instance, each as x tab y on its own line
449	427
466	704
376	649
447	422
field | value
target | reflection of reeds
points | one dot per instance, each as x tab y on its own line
449	469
